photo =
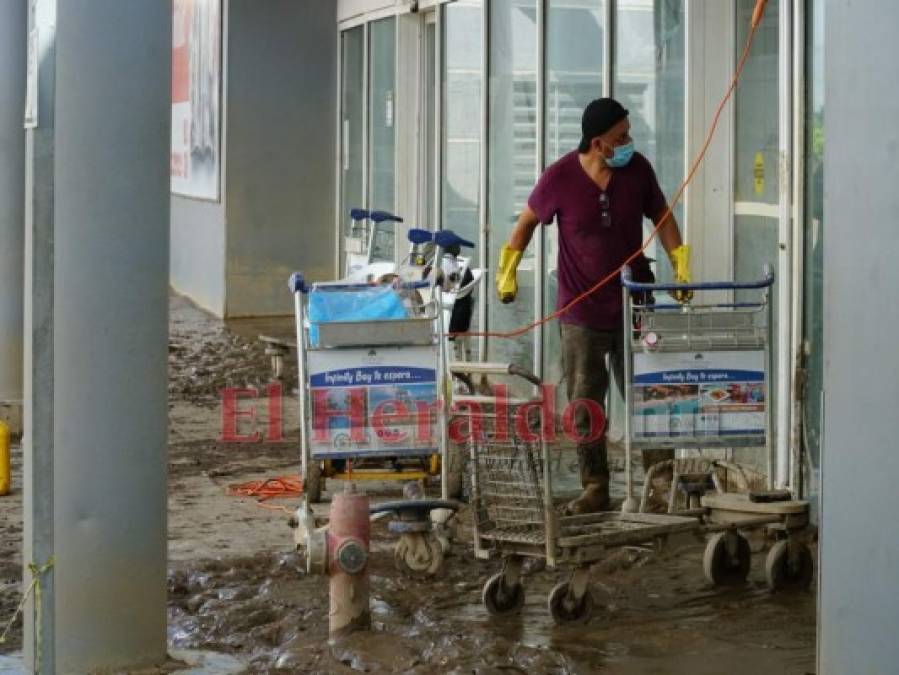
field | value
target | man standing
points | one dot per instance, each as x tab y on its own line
598	195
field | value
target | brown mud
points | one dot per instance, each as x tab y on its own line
236	586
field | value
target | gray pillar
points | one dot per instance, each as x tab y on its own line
859	550
13	24
96	326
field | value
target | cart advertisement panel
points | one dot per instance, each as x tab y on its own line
699	394
373	401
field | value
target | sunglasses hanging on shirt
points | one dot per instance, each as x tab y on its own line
605	214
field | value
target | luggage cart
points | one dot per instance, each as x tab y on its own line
698	376
368	363
347	369
513	508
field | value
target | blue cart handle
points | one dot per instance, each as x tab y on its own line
297	284
448	239
764	282
384	216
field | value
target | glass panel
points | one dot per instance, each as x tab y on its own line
427	218
575	40
756	146
382	134
463	44
512	161
649	81
463	83
756	150
353	121
575	43
814	254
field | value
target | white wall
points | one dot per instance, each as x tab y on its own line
859	566
198	251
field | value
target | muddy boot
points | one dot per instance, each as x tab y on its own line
593	499
594	472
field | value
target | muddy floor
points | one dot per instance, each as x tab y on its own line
237	586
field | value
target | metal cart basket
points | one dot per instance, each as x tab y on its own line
513	508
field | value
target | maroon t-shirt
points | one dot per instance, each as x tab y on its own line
590	246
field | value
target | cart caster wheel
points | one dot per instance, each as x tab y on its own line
418	555
782	576
565	609
312	482
499	599
724	567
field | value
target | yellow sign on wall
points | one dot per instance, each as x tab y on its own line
758	173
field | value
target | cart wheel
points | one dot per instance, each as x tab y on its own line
782	576
498	599
418	555
723	567
565	609
312	482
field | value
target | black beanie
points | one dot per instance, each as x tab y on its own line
599	116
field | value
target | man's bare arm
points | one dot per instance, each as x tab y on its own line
669	234
524	229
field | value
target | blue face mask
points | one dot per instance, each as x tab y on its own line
623	155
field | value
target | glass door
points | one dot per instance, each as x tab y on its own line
382	131
427	210
762	223
512	164
352	135
757	148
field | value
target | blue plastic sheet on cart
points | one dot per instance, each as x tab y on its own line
365	304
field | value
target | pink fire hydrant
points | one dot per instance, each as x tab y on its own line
341	551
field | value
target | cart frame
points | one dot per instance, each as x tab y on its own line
688	328
514	513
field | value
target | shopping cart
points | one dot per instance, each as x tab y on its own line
698	377
513	507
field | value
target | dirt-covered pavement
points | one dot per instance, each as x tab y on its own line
236	585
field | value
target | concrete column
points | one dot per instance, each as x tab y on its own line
859	549
13	24
96	326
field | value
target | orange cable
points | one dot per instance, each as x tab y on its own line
270	488
756	20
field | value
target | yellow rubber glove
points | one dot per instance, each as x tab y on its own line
680	261
506	283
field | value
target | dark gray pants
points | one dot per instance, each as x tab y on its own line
586	374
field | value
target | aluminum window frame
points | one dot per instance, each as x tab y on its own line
339	217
